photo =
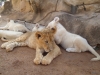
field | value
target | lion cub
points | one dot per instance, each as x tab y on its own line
38	27
14	27
69	41
9	35
42	41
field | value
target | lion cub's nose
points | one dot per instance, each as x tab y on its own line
46	41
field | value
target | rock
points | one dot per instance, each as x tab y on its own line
85	21
79	2
7	7
21	5
86	26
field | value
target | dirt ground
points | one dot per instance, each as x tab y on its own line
20	62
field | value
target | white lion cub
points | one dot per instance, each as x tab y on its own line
38	27
14	27
69	41
9	35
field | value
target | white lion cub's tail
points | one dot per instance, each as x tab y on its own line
95	53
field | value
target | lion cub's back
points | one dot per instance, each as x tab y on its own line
31	41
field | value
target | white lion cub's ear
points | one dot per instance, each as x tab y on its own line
12	21
37	25
56	19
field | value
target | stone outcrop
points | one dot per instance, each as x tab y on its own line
84	21
40	6
7	7
86	26
21	5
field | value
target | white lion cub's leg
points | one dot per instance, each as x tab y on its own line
78	45
95	59
4	28
73	50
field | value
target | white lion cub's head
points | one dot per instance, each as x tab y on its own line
36	27
53	23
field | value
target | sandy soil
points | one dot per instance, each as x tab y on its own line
20	62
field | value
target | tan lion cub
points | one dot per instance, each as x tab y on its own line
42	41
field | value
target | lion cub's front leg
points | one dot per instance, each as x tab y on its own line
10	46
4	28
4	45
19	39
9	42
38	56
51	55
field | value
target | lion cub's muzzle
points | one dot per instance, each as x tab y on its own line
48	49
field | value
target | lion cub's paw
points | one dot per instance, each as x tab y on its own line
46	61
4	45
9	48
37	61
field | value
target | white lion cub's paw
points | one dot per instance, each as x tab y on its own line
95	59
69	49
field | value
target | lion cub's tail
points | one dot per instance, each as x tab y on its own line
95	53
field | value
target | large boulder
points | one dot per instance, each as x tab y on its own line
47	6
86	26
85	21
21	5
7	7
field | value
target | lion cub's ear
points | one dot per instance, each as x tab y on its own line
37	25
56	19
53	30
38	34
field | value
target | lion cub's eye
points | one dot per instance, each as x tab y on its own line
46	41
52	28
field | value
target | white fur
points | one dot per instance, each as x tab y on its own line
14	27
38	27
69	41
9	35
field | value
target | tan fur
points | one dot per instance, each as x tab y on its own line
42	41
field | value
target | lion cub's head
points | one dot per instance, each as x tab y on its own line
53	23
45	39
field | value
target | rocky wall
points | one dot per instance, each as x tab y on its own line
77	16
